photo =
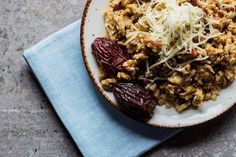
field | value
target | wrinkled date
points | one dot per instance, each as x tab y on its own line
135	98
109	55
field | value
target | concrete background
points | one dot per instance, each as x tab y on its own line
28	124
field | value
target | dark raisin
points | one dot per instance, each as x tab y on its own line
194	3
135	98
184	57
109	55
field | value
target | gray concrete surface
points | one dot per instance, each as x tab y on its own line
28	124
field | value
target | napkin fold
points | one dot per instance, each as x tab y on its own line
97	128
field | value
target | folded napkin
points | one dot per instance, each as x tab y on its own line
97	128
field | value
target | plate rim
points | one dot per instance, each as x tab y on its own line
118	107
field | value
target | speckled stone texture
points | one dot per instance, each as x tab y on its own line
28	124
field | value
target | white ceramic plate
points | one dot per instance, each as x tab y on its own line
93	27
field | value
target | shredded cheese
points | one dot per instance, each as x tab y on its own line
138	3
177	26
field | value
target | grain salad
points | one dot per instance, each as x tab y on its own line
182	51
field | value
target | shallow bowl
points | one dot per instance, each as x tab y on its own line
93	26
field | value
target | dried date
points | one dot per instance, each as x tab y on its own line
109	55
135	98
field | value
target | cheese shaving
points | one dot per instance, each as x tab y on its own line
138	3
180	27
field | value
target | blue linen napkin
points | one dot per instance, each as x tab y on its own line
98	129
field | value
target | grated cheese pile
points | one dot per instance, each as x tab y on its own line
179	27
